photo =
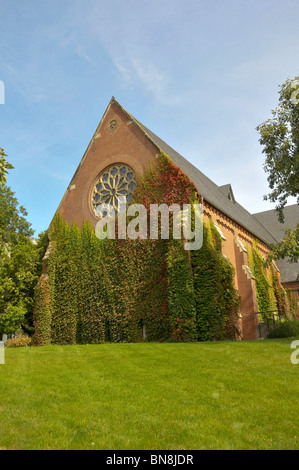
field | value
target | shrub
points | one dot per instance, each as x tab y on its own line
18	342
286	329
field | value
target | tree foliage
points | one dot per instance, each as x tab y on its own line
279	137
20	260
288	247
4	167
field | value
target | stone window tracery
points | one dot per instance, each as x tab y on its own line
116	181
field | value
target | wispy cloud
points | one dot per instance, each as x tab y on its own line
83	55
136	48
153	80
142	73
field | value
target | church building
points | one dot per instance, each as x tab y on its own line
122	148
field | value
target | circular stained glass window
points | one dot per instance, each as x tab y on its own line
115	183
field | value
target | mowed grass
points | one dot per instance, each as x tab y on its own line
222	395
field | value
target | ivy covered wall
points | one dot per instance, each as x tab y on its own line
130	290
271	295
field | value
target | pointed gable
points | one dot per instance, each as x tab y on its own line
116	141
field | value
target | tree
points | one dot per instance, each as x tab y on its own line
20	260
280	138
4	167
13	225
288	247
19	273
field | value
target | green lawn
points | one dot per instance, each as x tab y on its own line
222	395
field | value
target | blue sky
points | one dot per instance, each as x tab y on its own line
202	74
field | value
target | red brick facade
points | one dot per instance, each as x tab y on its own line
129	144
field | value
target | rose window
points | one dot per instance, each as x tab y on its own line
115	183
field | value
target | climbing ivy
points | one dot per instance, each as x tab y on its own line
280	295
270	293
217	300
130	290
181	295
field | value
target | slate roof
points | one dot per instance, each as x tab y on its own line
289	272
210	191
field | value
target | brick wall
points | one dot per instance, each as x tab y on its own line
126	143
